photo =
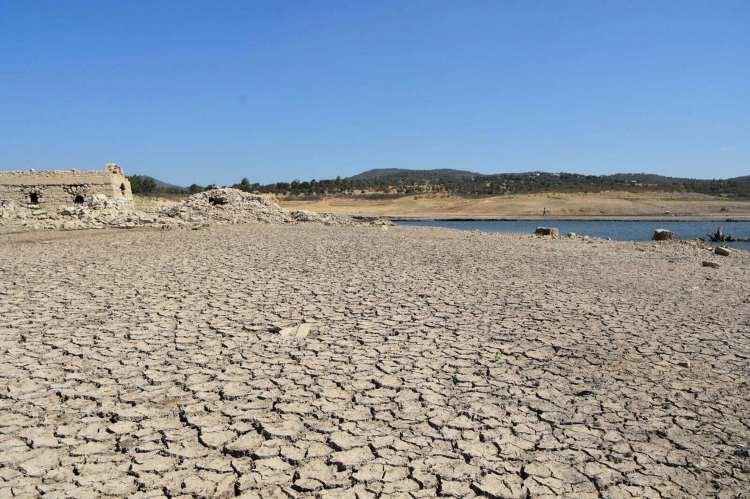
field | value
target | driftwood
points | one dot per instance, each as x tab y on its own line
720	237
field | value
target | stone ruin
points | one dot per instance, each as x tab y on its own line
99	210
54	189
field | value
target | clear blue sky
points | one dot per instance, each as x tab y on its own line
213	91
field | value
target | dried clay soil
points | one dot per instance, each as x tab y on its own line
345	361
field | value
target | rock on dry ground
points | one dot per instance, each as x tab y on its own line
431	363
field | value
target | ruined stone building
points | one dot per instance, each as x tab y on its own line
60	188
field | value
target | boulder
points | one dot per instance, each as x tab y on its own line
663	235
721	250
554	232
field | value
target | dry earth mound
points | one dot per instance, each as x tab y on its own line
228	206
236	207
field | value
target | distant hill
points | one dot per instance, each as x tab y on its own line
425	175
396	181
645	178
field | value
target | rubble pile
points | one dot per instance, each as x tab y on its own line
7	209
228	206
96	212
323	218
216	206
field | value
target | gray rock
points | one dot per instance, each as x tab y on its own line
663	235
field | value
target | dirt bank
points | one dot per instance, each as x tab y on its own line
620	205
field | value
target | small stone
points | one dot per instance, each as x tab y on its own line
713	265
300	331
721	250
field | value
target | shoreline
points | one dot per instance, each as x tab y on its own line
563	206
646	218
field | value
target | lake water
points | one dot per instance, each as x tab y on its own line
622	230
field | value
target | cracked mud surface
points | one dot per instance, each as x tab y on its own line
435	362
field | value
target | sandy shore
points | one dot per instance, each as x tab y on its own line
550	220
436	362
580	206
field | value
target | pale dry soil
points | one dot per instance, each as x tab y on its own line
438	363
575	205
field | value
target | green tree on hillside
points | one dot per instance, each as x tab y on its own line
141	184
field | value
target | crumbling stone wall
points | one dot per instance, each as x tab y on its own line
60	188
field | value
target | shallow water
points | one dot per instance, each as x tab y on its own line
621	230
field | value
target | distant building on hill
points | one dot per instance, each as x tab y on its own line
59	188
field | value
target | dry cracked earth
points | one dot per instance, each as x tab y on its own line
290	361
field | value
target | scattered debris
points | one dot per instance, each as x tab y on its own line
717	236
721	250
324	218
299	331
720	237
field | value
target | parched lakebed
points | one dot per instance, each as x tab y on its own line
309	360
